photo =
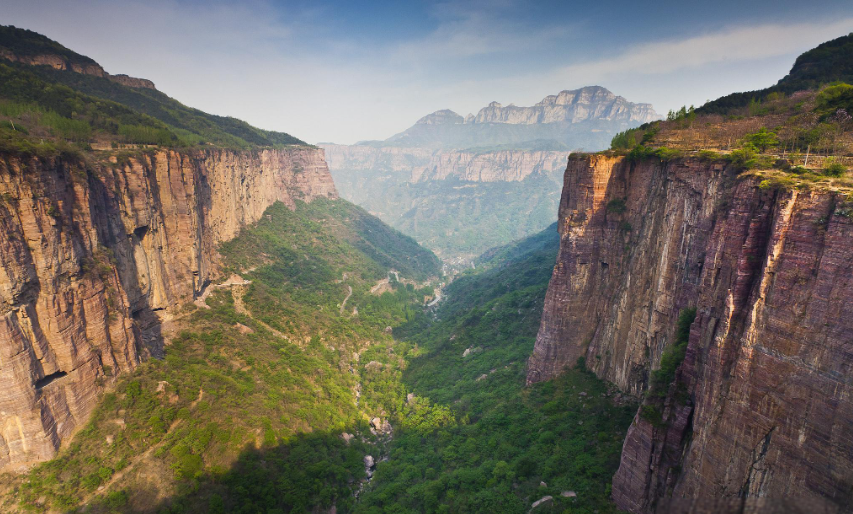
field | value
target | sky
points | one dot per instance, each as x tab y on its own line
345	71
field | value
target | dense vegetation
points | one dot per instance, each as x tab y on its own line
26	43
32	107
508	439
38	102
246	411
795	135
664	377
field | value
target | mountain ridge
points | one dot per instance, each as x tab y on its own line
570	117
39	76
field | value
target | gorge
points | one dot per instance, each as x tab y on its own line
585	309
463	185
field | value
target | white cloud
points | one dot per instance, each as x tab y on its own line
731	45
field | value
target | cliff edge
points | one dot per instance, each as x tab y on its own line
96	251
757	417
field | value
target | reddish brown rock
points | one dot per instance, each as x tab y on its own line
762	406
94	255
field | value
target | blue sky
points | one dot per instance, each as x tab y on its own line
347	71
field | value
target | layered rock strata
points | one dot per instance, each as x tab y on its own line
95	252
758	416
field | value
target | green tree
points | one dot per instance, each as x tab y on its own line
762	140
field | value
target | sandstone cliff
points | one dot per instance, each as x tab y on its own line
96	251
758	416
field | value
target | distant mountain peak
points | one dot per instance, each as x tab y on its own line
571	106
570	117
442	117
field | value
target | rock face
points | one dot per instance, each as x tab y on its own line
463	185
760	410
588	103
583	104
94	254
583	118
82	65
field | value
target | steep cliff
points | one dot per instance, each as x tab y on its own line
758	415
96	250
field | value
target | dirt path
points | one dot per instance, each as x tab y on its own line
233	280
344	303
240	307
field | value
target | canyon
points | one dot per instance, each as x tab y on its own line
461	185
96	253
459	203
260	393
757	417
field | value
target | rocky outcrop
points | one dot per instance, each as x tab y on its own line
95	252
757	418
80	64
588	103
441	117
583	104
125	80
583	118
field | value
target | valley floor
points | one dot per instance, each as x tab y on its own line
268	398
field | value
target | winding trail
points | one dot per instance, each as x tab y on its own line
344	303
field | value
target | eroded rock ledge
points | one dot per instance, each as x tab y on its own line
93	255
759	415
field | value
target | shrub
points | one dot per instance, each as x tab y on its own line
640	153
667	154
833	168
674	355
747	159
624	140
616	206
652	414
834	97
761	140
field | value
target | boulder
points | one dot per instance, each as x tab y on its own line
542	501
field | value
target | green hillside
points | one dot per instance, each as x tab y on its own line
255	391
826	63
38	102
248	409
26	43
508	439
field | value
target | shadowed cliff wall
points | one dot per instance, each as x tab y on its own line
94	254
